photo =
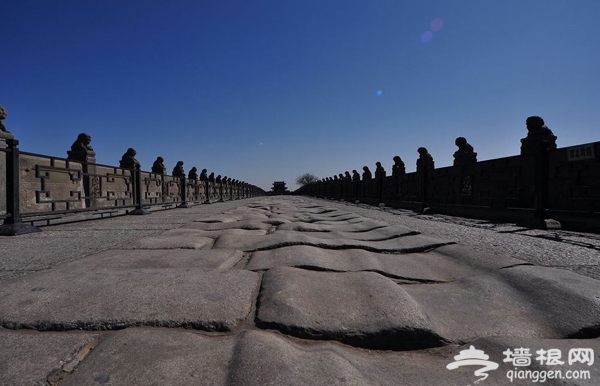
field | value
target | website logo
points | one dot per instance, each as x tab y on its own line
474	357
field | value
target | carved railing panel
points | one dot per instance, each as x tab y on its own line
50	184
152	188
109	186
171	190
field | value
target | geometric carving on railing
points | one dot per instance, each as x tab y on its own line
49	184
110	186
153	188
172	188
44	195
195	190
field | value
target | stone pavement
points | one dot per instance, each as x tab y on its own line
283	291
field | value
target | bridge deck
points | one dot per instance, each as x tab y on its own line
290	291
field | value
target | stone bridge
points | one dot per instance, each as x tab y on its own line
296	291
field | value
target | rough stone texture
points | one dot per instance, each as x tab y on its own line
256	358
107	299
291	291
206	260
439	265
363	309
29	357
162	357
363	226
575	251
379	234
523	301
248	225
28	253
173	239
406	244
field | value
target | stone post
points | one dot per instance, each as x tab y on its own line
540	140
183	191
13	224
4	136
137	189
82	151
425	164
379	177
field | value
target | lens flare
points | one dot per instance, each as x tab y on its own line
437	24
379	93
426	36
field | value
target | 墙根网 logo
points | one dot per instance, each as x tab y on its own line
474	357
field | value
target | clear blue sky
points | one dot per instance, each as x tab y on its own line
267	90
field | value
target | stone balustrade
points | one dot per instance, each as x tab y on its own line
37	189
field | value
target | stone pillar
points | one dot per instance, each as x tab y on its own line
4	135
13	224
82	151
379	178
425	164
539	141
3	162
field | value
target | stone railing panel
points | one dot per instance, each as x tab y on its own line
50	184
109	186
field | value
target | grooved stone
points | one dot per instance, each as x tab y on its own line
404	244
363	226
250	225
213	234
363	309
380	234
142	356
108	299
28	357
442	264
523	301
329	217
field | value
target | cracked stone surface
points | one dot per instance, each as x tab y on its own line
28	357
292	291
360	308
406	244
443	264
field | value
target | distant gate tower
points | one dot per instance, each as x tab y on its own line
279	188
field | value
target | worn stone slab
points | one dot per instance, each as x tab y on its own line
248	225
143	356
362	226
443	264
213	234
109	299
379	234
29	357
359	308
261	358
206	259
172	239
406	244
219	218
140	356
522	301
329	217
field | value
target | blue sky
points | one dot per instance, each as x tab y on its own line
267	90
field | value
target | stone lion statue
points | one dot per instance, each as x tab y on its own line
3	115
